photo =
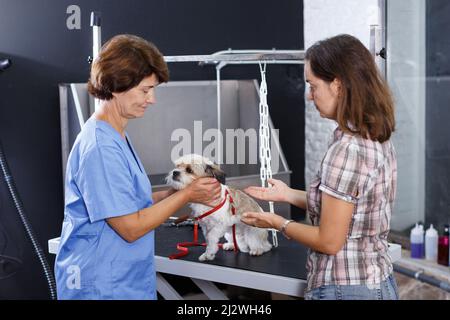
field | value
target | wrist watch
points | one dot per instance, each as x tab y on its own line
283	228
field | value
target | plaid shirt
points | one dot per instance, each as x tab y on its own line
362	172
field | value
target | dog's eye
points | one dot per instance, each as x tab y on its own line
189	170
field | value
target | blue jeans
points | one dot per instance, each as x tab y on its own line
386	290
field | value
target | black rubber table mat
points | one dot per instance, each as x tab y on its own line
288	259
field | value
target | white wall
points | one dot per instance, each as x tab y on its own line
323	19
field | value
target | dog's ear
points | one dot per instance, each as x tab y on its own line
215	172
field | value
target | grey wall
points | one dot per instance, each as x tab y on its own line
438	114
44	52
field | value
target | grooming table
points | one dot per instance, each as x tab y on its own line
281	270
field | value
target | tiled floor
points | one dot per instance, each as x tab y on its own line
412	289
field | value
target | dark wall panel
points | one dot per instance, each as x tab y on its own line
44	53
438	114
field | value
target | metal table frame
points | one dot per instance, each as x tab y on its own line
203	275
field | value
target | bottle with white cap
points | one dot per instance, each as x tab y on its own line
417	246
431	244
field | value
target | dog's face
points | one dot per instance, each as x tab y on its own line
191	167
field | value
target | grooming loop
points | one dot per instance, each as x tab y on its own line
265	155
182	247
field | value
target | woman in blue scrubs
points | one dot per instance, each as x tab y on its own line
107	240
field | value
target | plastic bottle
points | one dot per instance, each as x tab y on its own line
443	248
417	245
431	244
422	231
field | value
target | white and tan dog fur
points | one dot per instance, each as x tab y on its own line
219	224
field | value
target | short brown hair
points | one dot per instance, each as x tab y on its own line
365	106
123	62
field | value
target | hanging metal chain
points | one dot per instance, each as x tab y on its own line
265	155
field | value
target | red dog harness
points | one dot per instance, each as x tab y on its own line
182	247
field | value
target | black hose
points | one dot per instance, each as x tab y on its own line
419	275
29	231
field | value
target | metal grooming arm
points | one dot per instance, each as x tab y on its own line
239	57
96	22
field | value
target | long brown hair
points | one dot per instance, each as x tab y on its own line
365	104
123	62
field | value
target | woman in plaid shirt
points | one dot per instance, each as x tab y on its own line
350	200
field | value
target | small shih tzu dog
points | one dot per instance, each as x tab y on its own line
224	220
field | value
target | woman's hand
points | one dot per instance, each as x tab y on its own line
278	192
262	219
205	191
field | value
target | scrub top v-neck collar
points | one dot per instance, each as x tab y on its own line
124	140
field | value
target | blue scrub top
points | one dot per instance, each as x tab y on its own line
104	179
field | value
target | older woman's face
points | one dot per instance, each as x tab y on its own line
324	94
133	103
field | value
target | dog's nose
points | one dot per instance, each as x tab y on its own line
175	174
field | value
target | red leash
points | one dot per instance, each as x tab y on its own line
183	246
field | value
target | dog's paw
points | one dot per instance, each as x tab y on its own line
205	257
256	252
228	246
